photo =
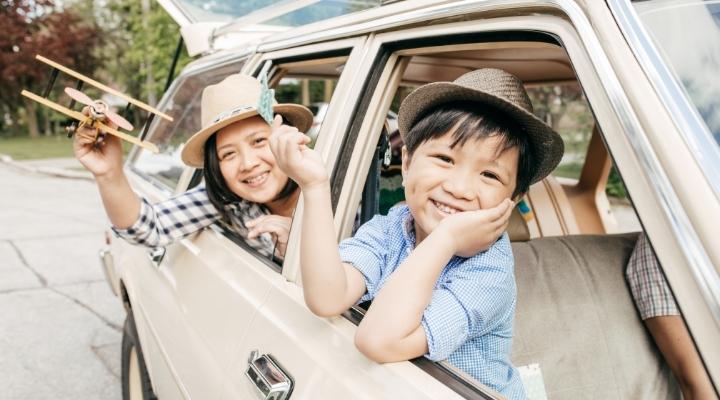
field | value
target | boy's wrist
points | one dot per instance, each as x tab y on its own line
441	238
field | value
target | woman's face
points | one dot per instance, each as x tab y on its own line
246	162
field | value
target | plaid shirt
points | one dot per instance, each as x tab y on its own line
470	316
167	221
649	288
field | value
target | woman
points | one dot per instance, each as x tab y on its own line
243	185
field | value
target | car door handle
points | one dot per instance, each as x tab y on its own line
156	255
268	377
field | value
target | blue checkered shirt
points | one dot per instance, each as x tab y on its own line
167	221
470	316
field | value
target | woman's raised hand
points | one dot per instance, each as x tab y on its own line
101	158
294	157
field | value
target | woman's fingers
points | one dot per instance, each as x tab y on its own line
276	225
277	122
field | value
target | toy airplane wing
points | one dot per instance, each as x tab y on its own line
83	118
80	117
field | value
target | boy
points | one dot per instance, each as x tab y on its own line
441	281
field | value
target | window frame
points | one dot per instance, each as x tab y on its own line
336	121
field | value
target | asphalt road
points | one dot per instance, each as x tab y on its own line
60	324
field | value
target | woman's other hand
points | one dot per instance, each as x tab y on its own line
101	158
276	225
295	158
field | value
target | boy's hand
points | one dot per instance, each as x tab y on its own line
99	157
474	231
299	162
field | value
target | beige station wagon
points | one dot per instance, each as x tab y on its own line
631	86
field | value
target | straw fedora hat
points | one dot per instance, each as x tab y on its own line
501	91
233	99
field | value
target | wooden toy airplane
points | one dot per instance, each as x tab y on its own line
99	110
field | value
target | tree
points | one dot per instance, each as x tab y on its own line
37	27
142	39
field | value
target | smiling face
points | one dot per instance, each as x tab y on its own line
246	162
441	180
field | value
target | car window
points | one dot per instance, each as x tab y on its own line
309	82
182	103
551	339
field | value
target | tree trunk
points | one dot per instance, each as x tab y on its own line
149	77
48	123
31	118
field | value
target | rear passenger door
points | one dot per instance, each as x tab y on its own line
194	299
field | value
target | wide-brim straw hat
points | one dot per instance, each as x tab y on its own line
233	99
500	91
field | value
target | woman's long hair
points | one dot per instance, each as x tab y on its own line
218	192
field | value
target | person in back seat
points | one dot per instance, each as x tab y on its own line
442	282
661	315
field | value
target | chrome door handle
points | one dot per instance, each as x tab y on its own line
270	380
156	255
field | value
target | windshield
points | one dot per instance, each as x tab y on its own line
299	12
687	34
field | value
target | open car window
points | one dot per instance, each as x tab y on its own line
309	82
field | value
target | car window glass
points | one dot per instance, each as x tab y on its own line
692	50
183	105
551	337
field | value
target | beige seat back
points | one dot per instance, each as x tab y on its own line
576	319
553	215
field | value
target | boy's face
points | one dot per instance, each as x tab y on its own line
440	180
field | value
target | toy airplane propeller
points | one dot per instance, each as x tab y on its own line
99	111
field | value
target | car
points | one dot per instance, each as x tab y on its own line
209	318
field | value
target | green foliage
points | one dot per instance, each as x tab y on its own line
141	46
39	27
615	186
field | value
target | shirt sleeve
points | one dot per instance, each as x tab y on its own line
366	251
162	223
648	286
475	298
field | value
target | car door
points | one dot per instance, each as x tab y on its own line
194	299
318	355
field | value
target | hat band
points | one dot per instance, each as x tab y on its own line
230	113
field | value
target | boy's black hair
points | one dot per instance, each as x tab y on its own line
218	192
475	121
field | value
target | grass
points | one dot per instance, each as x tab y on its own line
24	148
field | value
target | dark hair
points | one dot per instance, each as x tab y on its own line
475	121
218	192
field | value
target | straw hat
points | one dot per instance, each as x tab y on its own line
499	90
234	99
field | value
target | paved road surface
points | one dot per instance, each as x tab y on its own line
60	325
